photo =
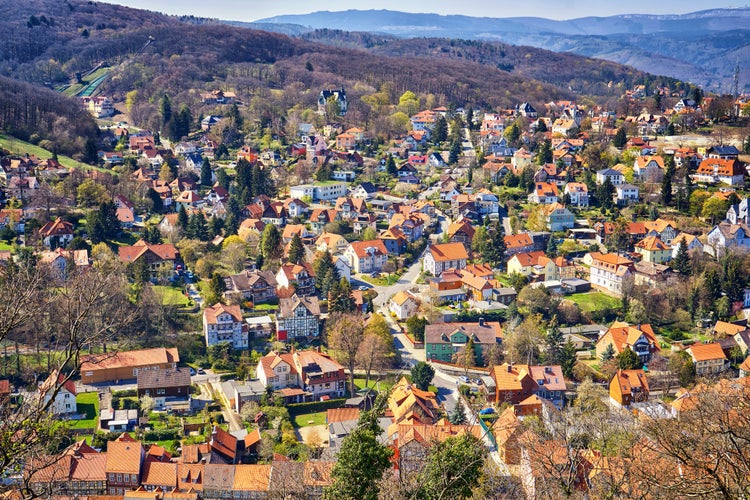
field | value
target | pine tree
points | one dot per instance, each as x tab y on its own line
197	227
341	299
681	263
608	353
551	247
555	342
621	138
390	166
206	173
182	218
457	416
455	151
270	241
666	183
440	130
165	109
568	358
296	249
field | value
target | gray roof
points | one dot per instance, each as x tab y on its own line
488	333
156	379
288	305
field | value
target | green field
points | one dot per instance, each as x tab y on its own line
88	403
594	301
17	146
308	419
383	385
75	89
171	296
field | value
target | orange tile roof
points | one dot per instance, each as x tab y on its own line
624	335
448	251
360	248
628	380
341	415
190	476
251	478
528	259
517	240
160	474
211	313
144	357
318	473
652	244
124	457
727	329
706	352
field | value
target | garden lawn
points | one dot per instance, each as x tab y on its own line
594	301
308	419
88	403
171	296
384	384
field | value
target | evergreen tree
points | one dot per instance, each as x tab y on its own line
453	468
555	342
712	284
390	166
746	145
455	151
541	126
440	130
470	118
421	375
608	353
681	263
628	360
734	280
568	358
182	218
457	416
296	250
216	287
234	216
621	138
340	298
551	247
270	241
544	154
206	173
222	179
326	272
165	109
666	183
157	205
197	227
151	234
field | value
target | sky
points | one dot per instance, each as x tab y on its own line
251	10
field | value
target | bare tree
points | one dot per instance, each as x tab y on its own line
345	333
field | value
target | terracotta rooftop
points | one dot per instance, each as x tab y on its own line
144	357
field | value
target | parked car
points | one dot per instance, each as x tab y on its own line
192	372
478	381
201	371
464	379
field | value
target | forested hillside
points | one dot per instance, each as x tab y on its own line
151	54
36	114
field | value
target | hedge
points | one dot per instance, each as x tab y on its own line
314	407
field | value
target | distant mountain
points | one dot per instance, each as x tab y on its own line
703	47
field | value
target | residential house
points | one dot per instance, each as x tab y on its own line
365	191
625	194
343	267
64	402
444	256
315	373
163	384
250	229
300	277
218	481
161	259
114	367
321	217
665	229
477	287
578	193
336	96
296	208
726	236
253	285
516	383
558	217
448	287
394	240
615	177
366	256
518	243
326	191
298	317
720	171
80	471
708	358
125	458
57	233
638	338
404	305
413	442
609	271
654	250
408	404
651	274
161	476
525	263
628	386
218	97
649	168
331	242
411	225
544	193
222	323
444	340
224	446
461	231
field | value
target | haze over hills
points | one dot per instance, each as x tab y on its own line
702	47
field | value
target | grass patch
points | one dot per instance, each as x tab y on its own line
88	403
308	419
265	307
594	301
171	296
384	385
17	146
387	281
5	246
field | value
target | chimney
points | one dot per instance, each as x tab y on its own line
481	321
510	368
